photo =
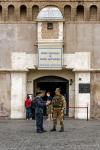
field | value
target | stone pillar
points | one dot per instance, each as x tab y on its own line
17	12
5	12
86	13
29	13
98	13
71	97
82	99
73	13
18	94
5	94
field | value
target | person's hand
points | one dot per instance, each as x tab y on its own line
47	103
51	111
62	111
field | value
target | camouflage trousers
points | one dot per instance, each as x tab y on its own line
58	115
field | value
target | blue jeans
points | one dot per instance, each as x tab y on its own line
28	113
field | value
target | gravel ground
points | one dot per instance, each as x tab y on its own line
78	135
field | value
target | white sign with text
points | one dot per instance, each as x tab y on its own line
50	58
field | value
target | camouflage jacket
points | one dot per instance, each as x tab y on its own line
58	102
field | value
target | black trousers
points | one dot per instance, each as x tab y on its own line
39	121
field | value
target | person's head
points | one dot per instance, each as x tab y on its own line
57	91
48	93
28	97
40	93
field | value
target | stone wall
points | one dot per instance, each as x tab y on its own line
18	94
20	35
16	38
82	99
18	50
5	94
95	95
27	10
22	38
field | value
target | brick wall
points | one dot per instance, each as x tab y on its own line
50	33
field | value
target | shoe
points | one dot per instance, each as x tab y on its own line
61	130
52	130
39	131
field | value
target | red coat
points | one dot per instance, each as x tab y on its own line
27	103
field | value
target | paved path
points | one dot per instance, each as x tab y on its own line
78	135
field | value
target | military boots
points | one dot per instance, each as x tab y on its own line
61	130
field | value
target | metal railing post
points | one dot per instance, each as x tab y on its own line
87	114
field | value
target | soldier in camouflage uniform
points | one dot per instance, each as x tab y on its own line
58	109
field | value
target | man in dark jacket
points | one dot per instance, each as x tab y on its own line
38	105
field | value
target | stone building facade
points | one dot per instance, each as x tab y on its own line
48	44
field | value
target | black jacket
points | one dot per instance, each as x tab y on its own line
38	105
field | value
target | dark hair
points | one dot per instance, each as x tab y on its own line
28	97
37	93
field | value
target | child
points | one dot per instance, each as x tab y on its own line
49	106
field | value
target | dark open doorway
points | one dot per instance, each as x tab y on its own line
50	83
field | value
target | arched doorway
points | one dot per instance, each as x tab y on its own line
50	83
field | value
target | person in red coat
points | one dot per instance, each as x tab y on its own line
28	108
